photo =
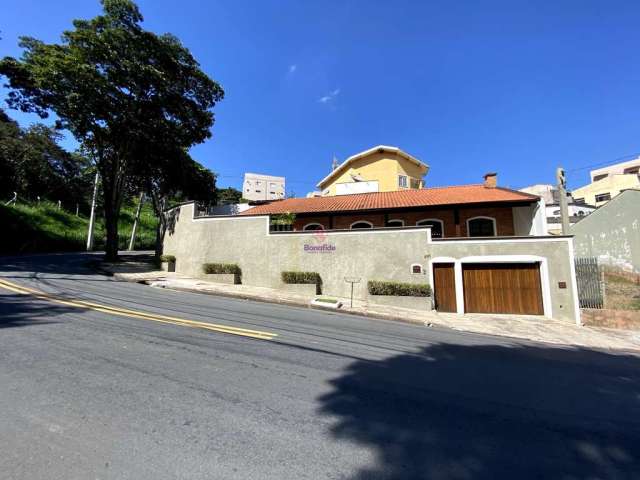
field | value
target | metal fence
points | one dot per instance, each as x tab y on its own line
590	283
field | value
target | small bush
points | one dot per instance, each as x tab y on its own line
301	277
398	288
168	258
220	268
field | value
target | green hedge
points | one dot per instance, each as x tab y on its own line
168	258
301	277
217	268
398	288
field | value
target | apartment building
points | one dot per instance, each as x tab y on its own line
608	182
258	187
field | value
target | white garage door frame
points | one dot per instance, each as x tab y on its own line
457	267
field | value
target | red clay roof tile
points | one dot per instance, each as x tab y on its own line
426	197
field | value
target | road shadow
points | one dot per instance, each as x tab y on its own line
21	311
85	264
489	412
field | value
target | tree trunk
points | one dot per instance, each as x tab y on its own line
159	237
112	195
161	228
111	227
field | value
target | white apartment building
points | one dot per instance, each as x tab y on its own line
257	187
608	182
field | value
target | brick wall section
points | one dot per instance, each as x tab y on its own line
622	319
345	221
503	216
301	221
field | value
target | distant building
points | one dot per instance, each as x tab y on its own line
608	182
258	187
550	195
379	169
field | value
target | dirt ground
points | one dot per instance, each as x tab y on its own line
621	292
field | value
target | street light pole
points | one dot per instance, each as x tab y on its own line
92	218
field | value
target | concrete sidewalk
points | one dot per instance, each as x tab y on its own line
534	328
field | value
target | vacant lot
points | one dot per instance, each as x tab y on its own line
622	292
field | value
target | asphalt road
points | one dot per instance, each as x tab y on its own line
92	393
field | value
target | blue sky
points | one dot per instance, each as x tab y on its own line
468	87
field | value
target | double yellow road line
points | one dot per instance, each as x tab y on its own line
123	312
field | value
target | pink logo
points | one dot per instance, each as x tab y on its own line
320	236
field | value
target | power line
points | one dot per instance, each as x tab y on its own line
608	162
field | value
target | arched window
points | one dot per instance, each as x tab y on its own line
481	227
395	223
361	224
437	226
313	226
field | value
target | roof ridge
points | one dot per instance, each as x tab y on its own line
453	186
512	190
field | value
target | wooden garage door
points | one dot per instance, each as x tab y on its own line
444	285
502	288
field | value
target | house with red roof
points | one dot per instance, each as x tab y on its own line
480	210
478	248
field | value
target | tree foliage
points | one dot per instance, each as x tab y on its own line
35	166
123	92
229	195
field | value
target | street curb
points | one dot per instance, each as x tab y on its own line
371	315
292	303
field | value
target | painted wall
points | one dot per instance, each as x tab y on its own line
553	252
612	233
381	167
530	219
366	254
370	255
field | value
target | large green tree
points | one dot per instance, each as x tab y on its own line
118	88
173	176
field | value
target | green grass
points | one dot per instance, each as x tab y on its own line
44	228
327	300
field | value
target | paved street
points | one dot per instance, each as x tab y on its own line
102	379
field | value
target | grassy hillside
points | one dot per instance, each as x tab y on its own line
44	228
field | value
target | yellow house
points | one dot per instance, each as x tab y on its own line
608	182
379	169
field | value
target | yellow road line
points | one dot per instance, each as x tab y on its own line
137	314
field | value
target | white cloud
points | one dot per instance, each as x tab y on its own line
329	96
293	68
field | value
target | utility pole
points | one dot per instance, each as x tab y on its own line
562	193
135	222
92	218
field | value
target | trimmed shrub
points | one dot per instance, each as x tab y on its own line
168	258
301	277
217	268
399	289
